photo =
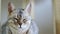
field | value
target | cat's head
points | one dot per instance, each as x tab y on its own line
20	15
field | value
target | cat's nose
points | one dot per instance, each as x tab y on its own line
20	24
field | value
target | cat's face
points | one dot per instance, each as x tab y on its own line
20	16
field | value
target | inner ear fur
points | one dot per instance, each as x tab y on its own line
10	7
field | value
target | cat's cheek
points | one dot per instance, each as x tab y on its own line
28	22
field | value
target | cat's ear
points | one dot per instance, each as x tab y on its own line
28	8
11	7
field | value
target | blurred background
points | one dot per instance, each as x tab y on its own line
42	13
57	15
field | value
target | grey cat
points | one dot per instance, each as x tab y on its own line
20	21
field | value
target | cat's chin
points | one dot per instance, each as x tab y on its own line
26	26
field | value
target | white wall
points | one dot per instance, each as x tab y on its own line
43	14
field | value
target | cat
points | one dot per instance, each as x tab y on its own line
20	21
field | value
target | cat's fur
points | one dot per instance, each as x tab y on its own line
20	21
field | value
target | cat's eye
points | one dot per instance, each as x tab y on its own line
24	20
15	18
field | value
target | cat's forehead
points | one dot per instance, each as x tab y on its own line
20	10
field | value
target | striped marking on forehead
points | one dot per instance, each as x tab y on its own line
20	12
